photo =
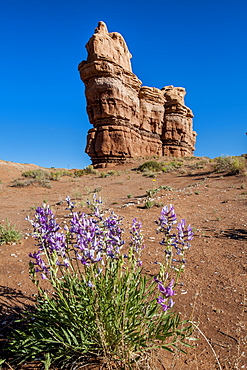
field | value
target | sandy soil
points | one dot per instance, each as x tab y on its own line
214	294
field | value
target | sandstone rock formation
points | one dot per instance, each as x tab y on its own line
130	120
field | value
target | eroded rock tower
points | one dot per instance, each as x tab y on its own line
130	120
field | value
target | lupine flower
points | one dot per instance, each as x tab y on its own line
65	263
71	205
95	238
136	239
40	263
46	230
164	303
97	200
184	234
167	217
90	284
166	292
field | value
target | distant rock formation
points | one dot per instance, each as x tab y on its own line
130	120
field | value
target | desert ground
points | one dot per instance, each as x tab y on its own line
213	294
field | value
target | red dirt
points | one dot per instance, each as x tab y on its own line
213	295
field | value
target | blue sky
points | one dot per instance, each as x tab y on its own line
199	45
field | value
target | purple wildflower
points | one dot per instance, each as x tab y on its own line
167	218
184	235
71	205
136	239
96	237
39	262
164	303
51	240
90	284
166	291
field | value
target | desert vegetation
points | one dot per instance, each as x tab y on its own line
8	233
111	300
102	307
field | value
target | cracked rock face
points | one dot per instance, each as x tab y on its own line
130	120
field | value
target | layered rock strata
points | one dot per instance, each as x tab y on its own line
130	120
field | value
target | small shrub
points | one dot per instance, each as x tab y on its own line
113	172
8	234
151	166
170	166
152	192
129	196
103	174
18	183
231	165
198	165
55	176
46	175
148	204
167	187
89	170
102	306
79	173
36	174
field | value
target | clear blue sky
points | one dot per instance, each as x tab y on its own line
199	45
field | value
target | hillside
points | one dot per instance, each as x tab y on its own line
213	202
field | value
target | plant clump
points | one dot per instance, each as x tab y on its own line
9	234
104	174
36	174
151	166
231	165
19	183
89	170
98	305
170	166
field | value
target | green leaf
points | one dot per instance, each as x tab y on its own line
167	349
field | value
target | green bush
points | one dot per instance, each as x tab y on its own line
89	170
170	166
19	183
148	204
36	174
104	174
230	165
8	234
151	166
46	175
151	192
166	187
